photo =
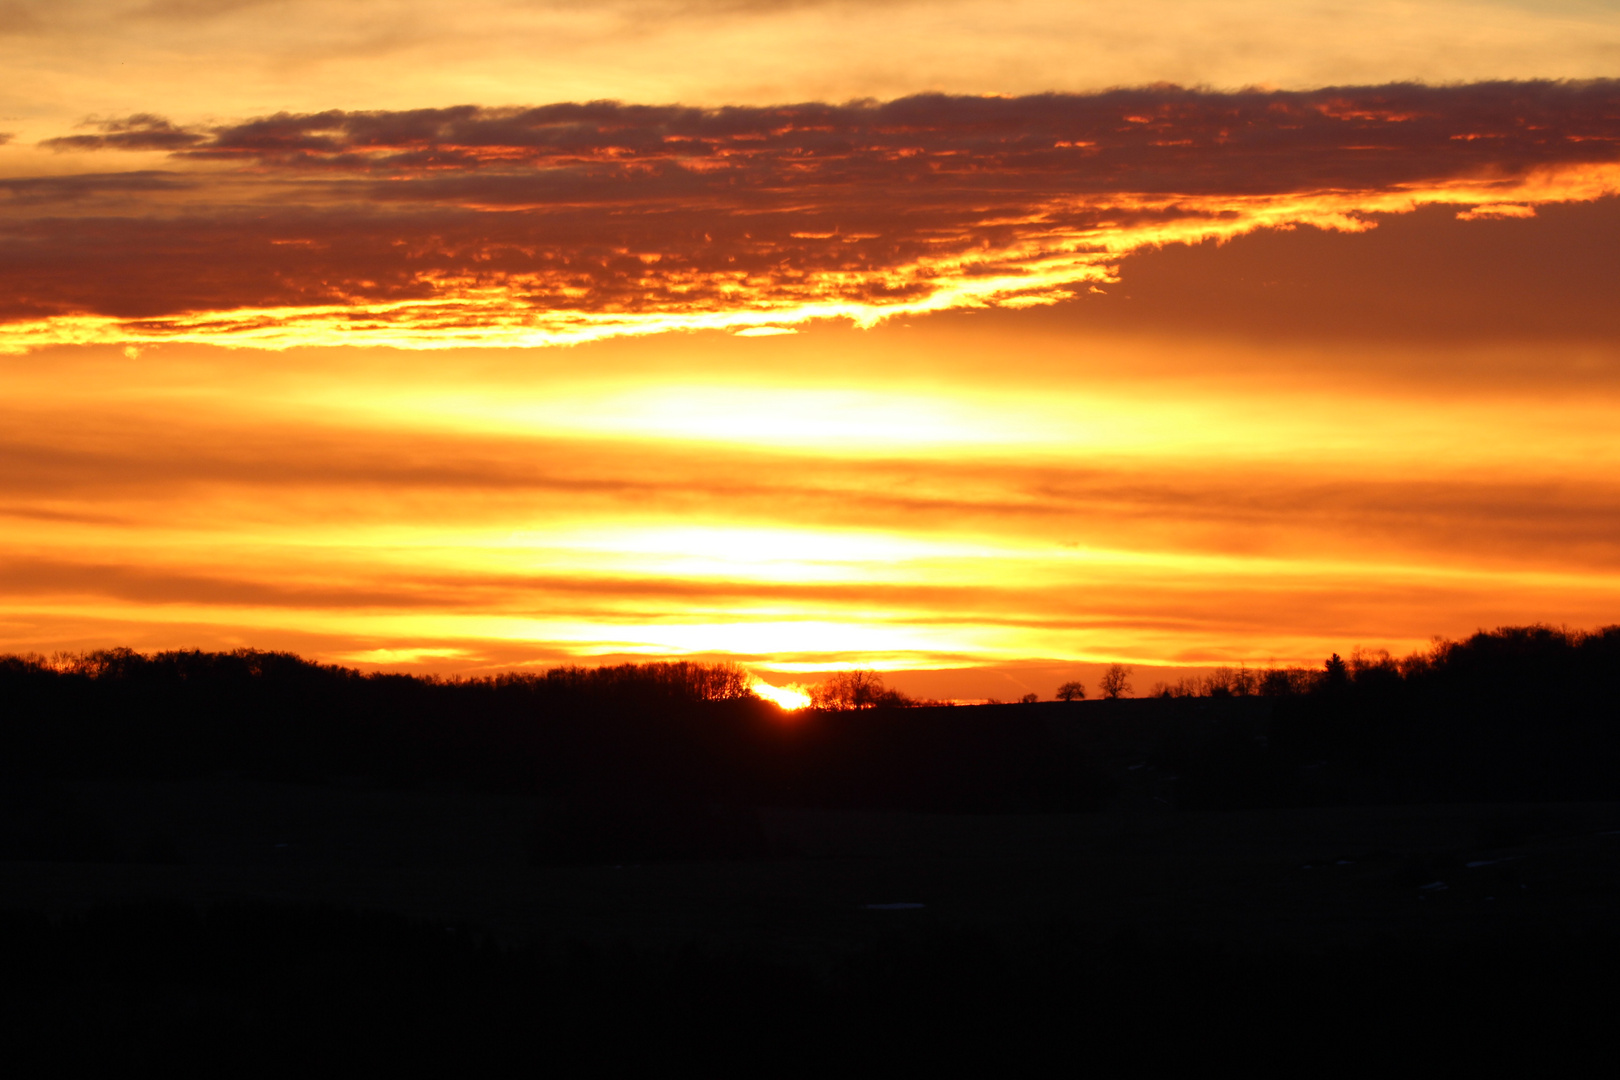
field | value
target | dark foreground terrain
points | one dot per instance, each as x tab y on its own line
1301	882
394	929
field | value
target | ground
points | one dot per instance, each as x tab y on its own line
1310	877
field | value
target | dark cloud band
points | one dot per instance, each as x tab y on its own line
1163	140
565	222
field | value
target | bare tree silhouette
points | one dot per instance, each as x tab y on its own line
859	688
1116	681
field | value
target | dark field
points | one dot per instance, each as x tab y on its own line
1305	876
322	924
1152	885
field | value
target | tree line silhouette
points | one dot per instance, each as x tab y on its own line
634	761
1529	713
670	757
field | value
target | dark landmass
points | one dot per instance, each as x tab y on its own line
275	989
1381	864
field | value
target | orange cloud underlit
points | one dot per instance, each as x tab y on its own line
570	223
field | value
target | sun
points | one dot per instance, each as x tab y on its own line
788	697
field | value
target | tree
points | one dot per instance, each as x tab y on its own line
1029	699
857	689
1334	671
1116	681
1072	691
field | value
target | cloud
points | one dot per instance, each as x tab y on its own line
178	469
1422	276
568	222
78	187
20	16
143	131
26	577
1166	140
1496	210
189	487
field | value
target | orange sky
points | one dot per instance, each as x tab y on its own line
364	341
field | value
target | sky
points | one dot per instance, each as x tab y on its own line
981	343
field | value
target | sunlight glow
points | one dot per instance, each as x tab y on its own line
829	420
393	657
789	697
739	553
321	503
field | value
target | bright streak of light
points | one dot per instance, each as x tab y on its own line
401	656
753	554
788	416
805	416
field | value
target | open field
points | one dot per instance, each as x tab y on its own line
1317	876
